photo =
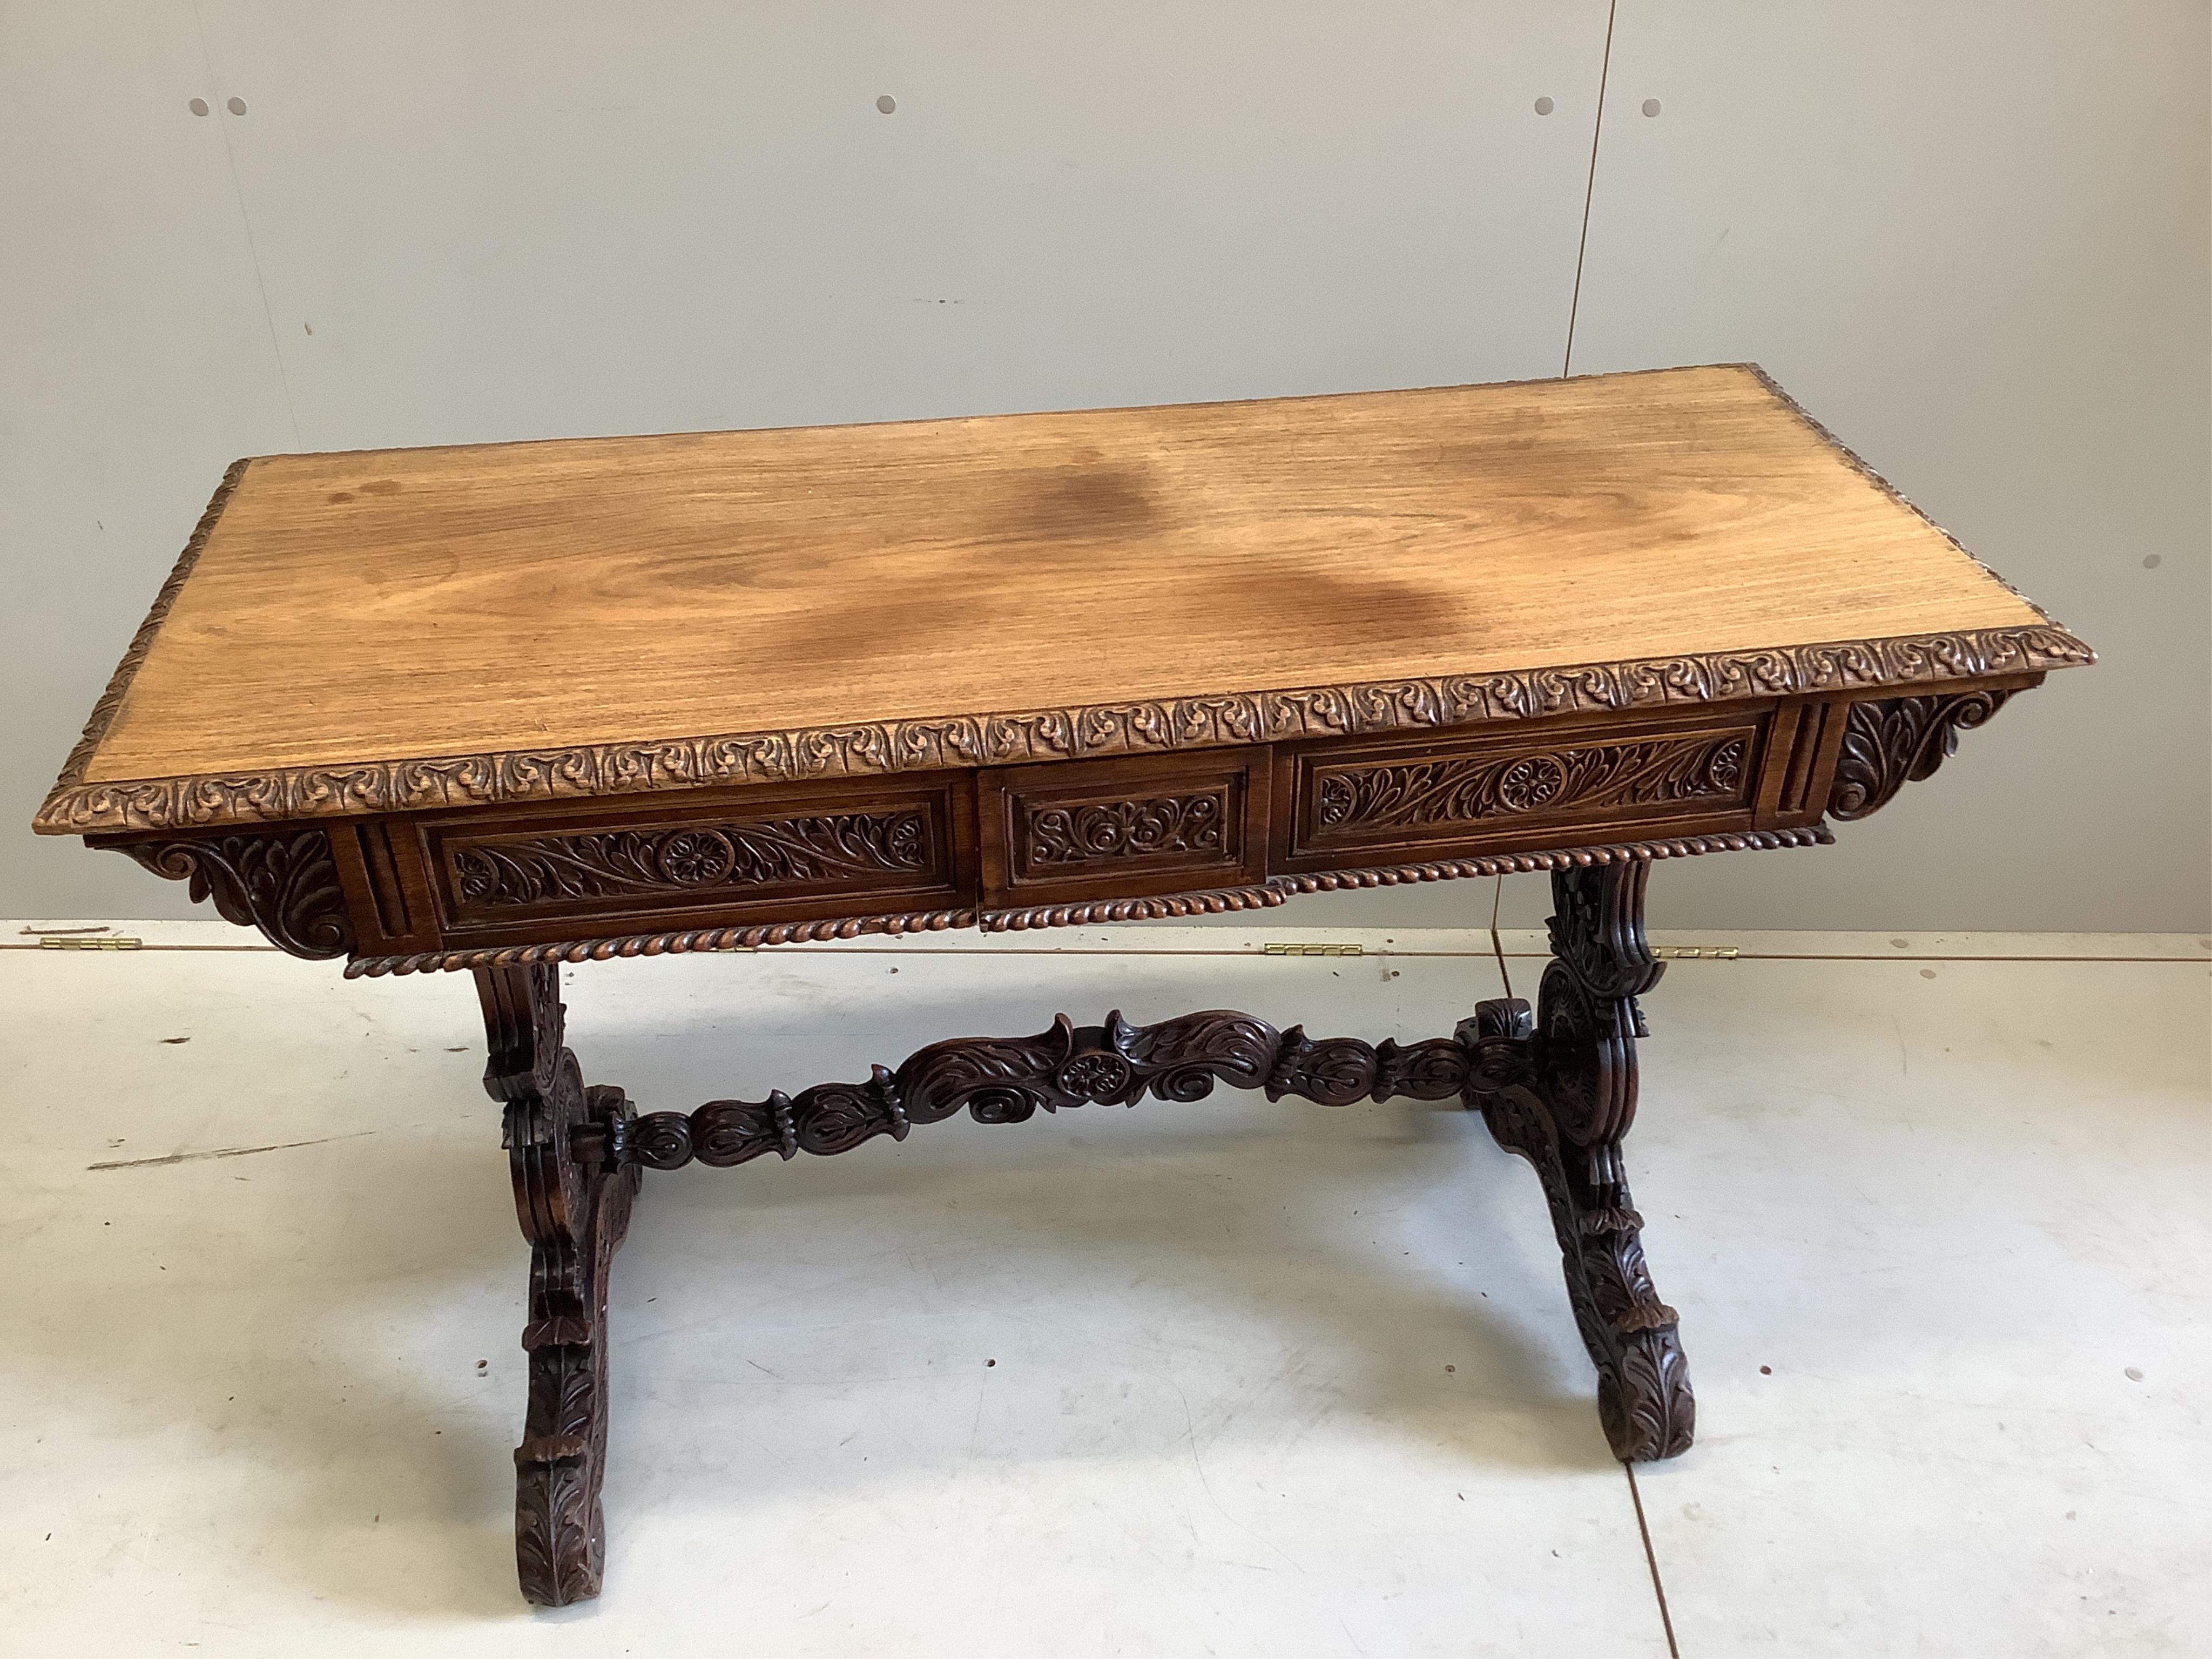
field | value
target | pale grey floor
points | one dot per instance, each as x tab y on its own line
1269	1380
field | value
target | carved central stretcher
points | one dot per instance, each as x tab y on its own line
438	710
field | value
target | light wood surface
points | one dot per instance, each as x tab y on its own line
397	603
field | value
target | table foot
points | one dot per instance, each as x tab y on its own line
1559	1087
573	1199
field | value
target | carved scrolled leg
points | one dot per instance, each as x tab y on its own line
1558	1088
573	1197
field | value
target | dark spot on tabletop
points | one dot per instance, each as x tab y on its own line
338	496
172	1041
1081	502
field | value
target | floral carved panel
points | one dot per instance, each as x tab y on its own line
1417	796
1063	838
703	862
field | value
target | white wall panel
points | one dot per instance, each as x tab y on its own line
507	221
1972	239
134	365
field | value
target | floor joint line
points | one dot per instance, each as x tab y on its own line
1651	1560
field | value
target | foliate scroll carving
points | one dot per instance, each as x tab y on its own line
1010	1079
1596	928
1062	836
1002	740
574	1202
286	885
1895	741
795	852
1471	788
1559	1087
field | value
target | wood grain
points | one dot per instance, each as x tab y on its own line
404	604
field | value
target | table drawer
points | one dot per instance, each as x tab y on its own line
1123	828
761	856
1340	804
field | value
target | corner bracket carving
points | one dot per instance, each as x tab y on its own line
286	885
1891	742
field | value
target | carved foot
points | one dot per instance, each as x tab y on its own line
572	1197
1559	1089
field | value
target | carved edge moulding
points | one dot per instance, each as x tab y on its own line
284	795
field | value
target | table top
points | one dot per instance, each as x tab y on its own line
383	630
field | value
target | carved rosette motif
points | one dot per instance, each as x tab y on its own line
1469	789
1559	1087
1010	1079
77	807
1895	741
1107	832
629	862
286	885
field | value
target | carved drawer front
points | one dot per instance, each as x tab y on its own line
760	856
1579	785
1124	828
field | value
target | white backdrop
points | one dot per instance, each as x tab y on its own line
1974	240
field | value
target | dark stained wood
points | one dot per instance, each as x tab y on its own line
1010	1079
1558	1088
573	1203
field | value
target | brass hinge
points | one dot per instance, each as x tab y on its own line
1309	950
113	942
1694	952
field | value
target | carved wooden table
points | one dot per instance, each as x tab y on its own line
498	708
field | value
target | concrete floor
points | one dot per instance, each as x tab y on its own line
1269	1379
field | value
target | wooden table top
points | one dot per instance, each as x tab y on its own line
386	629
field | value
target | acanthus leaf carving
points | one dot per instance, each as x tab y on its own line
765	853
285	884
1010	1079
1891	742
1558	1087
1466	789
